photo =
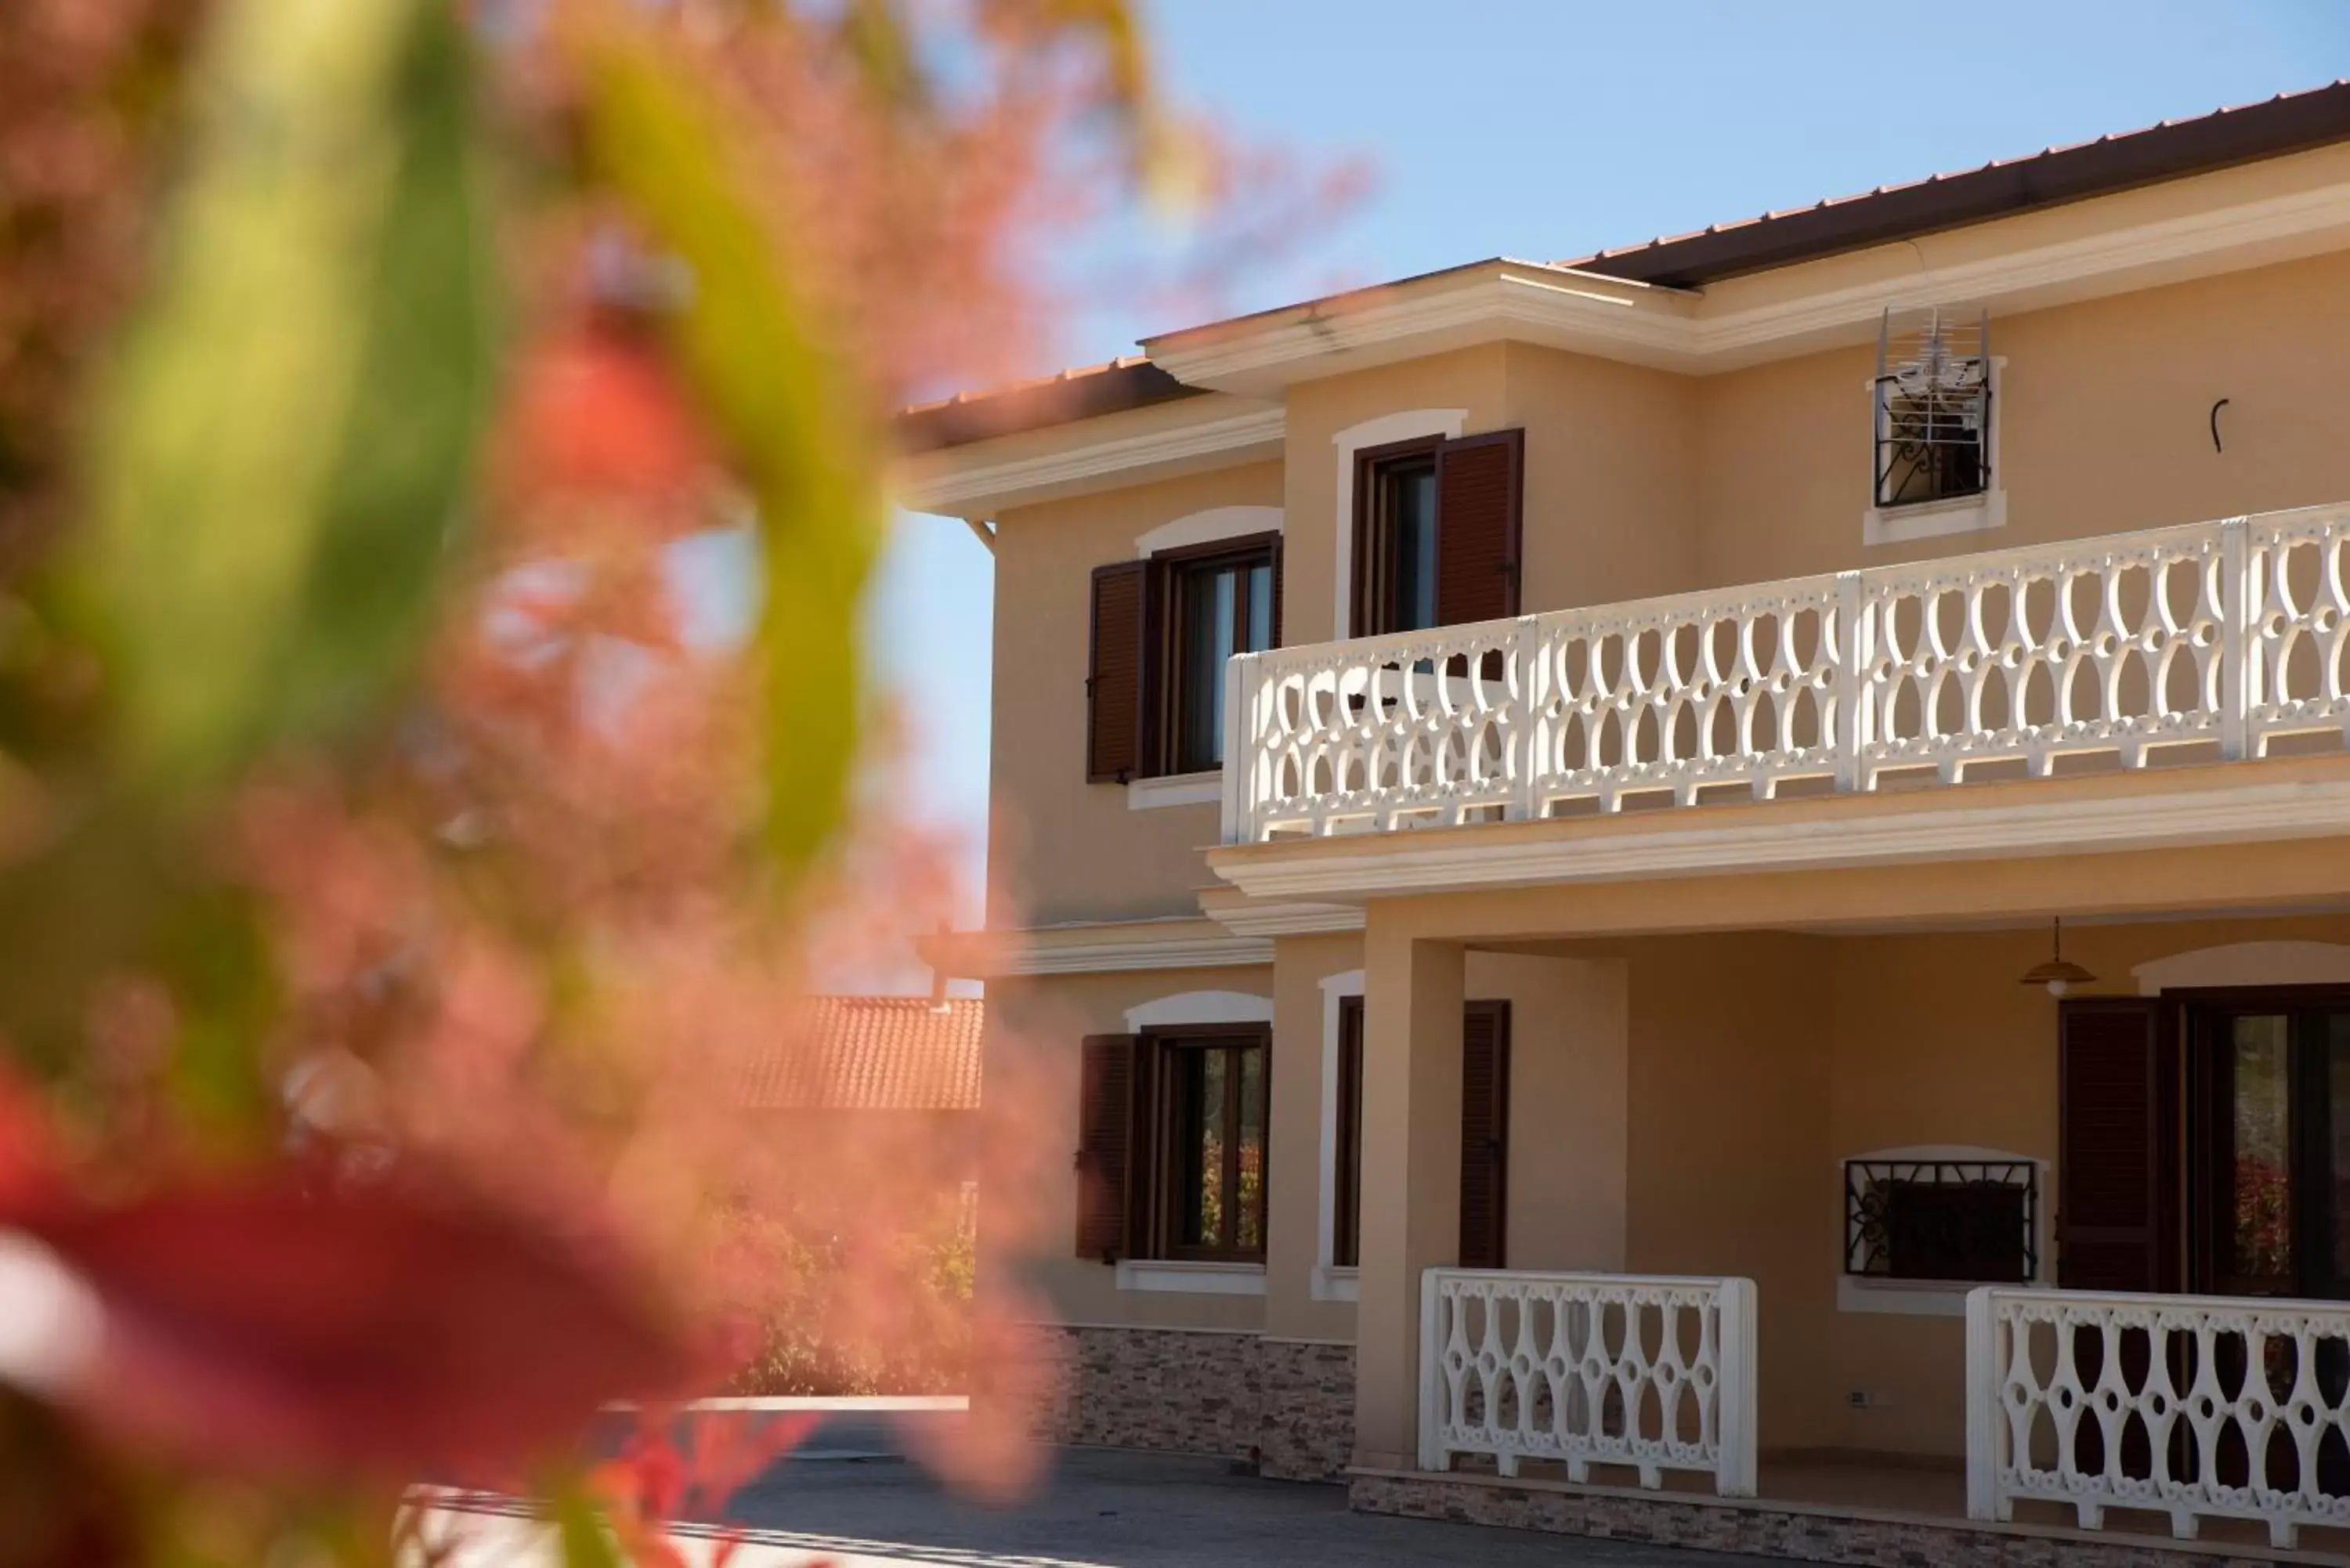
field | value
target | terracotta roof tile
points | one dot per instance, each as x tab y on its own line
873	1054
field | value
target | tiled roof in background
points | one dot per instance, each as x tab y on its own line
873	1054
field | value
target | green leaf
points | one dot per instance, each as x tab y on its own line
587	1544
289	432
793	417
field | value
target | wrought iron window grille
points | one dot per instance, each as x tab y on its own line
1933	407
1953	1219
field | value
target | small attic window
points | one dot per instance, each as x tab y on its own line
1932	396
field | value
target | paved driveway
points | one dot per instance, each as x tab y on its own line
1102	1510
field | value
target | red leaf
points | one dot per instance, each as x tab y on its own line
387	1331
597	410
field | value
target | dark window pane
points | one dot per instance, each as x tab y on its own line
1221	607
1207	610
1413	513
2259	1173
1346	1242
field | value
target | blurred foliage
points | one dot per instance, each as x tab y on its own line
787	411
286	448
391	891
801	1350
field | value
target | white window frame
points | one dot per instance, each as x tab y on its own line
1332	1281
1408	424
1978	514
1191	1277
1939	1298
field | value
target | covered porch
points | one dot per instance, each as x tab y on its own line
1760	1137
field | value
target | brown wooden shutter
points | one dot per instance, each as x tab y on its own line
2118	1145
1104	1144
1119	674
1346	1201
1485	1134
1480	480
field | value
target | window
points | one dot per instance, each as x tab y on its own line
2268	1088
1162	630
1437	531
1212	1170
1173	1133
1942	1220
2218	1118
1932	393
1219	606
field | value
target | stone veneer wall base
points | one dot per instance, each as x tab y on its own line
1783	1530
1285	1406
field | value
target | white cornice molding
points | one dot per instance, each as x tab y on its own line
963	480
1679	329
1288	919
1607	316
1030	958
1473	858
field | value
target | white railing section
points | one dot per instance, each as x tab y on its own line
1652	1373
2197	1406
2223	635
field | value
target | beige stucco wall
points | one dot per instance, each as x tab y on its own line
1729	1112
1062	849
2102	421
1569	1172
1294	1192
1611	481
1681	1103
1930	1041
1761	1055
1760	1061
1469	379
1641	482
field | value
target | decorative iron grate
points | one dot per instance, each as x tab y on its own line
1971	1220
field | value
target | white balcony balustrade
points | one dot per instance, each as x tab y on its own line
1655	1373
2196	1407
2220	635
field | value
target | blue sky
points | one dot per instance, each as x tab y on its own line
1549	128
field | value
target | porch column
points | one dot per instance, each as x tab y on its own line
1411	1176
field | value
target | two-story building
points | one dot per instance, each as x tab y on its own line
1537	806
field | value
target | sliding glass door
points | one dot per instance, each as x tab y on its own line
2269	1135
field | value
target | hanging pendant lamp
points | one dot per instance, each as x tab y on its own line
2056	974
